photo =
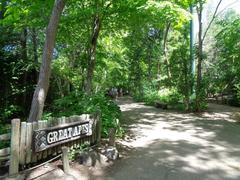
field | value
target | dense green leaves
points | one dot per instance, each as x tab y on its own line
75	104
225	67
143	47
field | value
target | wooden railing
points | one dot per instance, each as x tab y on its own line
21	152
4	153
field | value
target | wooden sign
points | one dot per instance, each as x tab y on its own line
49	137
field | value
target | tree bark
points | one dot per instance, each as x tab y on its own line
35	54
24	59
41	90
201	38
3	9
150	60
165	50
200	58
34	40
192	62
92	54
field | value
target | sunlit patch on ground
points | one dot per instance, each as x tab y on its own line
173	145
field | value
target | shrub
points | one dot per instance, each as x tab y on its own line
168	96
9	112
76	104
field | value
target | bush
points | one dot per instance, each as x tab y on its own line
76	104
9	112
168	96
4	128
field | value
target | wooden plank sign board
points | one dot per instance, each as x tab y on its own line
49	137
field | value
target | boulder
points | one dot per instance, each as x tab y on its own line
111	153
91	158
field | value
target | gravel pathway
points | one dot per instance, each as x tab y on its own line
169	145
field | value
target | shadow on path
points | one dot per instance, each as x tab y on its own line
171	145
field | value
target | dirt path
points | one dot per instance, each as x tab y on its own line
168	145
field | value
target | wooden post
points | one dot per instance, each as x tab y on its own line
34	155
65	160
112	132
99	128
29	143
14	151
23	143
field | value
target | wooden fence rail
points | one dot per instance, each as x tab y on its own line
23	152
5	152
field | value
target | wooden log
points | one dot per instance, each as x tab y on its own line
112	133
59	147
23	143
40	126
65	160
54	149
63	120
45	153
5	137
5	152
99	129
4	158
74	118
34	155
29	134
93	130
50	124
14	152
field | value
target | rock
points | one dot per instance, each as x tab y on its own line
111	153
92	159
236	116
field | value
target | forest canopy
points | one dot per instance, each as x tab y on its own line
143	47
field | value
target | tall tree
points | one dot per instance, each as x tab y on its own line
201	38
41	90
92	52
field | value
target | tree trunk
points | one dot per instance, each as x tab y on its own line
92	54
192	62
45	70
199	62
34	40
2	9
35	54
166	61
187	88
24	58
150	48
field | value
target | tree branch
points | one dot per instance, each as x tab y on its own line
214	16
227	7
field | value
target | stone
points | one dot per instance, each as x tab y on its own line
91	159
111	153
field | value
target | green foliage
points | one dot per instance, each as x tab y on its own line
4	144
76	151
9	112
168	96
133	51
4	128
76	104
223	69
